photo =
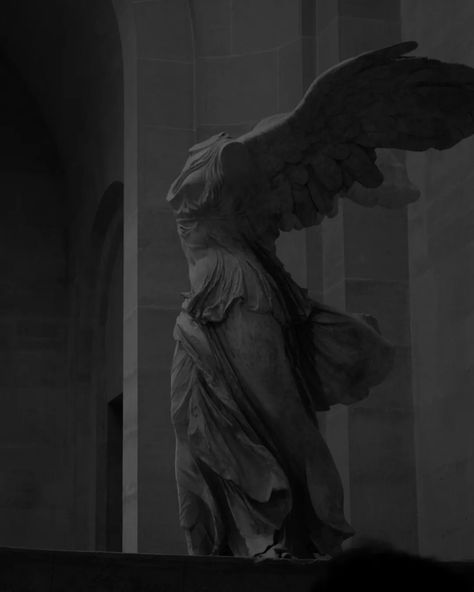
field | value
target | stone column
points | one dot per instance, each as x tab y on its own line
365	269
158	65
441	225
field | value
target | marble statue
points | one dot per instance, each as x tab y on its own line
256	358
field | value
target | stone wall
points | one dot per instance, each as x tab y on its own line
35	423
191	69
196	68
364	268
158	74
441	247
68	56
249	66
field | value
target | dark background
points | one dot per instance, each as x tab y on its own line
100	101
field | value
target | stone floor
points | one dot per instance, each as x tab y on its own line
23	570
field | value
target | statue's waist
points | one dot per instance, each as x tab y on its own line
222	280
218	282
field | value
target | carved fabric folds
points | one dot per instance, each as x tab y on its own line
255	360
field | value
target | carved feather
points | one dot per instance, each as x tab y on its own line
379	100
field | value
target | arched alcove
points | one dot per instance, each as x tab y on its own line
63	146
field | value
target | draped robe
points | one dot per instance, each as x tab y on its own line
255	360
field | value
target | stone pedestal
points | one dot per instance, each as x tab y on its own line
51	571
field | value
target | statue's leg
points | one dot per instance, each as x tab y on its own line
233	494
255	344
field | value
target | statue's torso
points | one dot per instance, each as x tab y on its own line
225	268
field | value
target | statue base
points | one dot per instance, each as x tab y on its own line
28	570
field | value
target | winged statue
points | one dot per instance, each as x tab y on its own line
256	359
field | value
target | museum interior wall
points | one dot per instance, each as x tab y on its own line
35	422
365	269
62	150
442	305
114	92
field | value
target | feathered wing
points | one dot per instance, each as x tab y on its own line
338	139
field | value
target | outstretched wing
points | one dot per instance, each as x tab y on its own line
329	145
